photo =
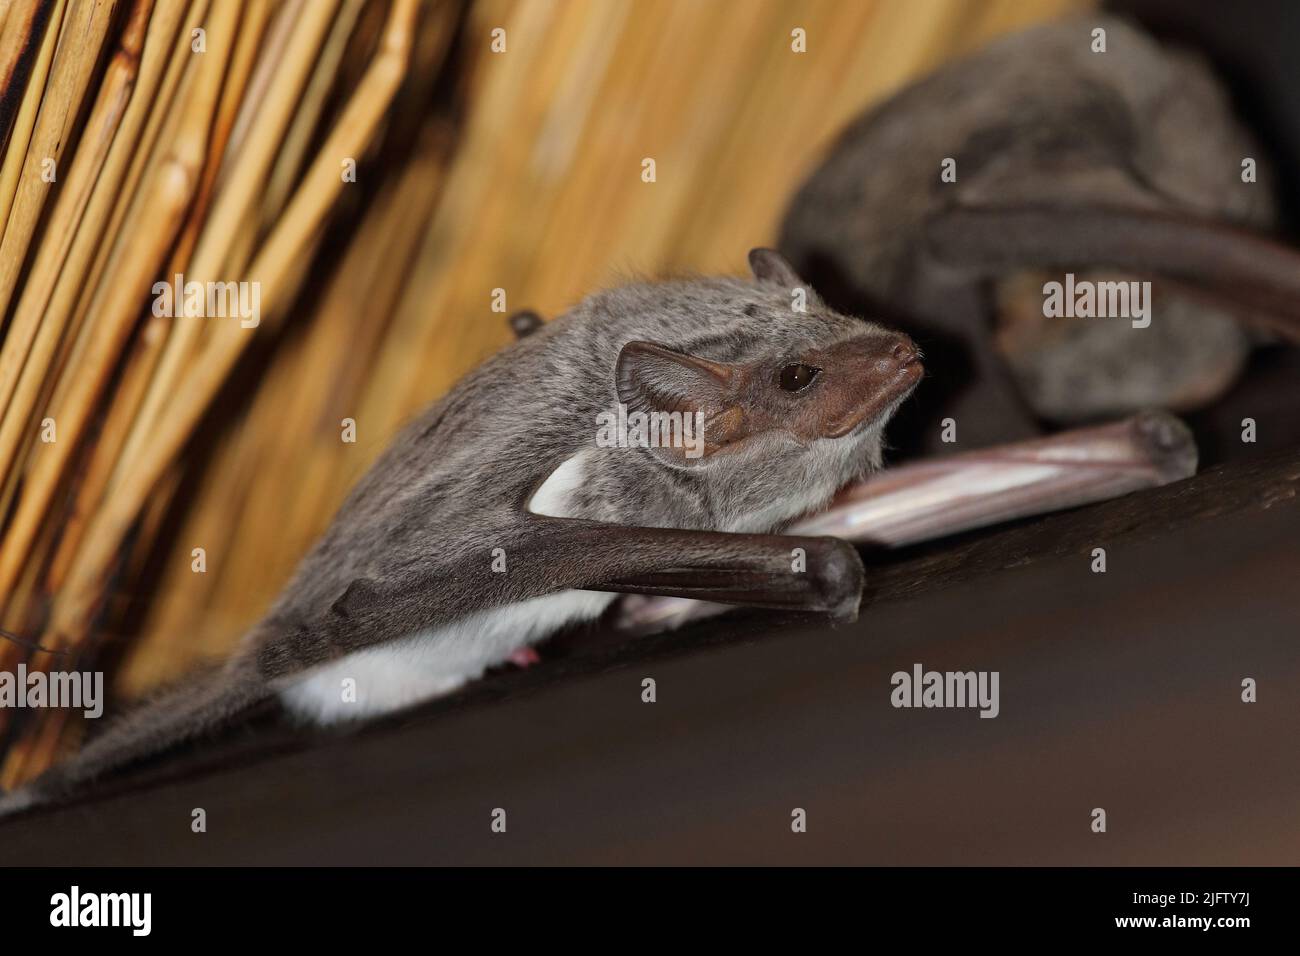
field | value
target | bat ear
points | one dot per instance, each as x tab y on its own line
768	265
650	378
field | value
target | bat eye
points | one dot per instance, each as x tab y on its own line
795	378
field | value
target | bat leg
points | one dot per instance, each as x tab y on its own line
525	323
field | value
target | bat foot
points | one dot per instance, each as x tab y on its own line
524	657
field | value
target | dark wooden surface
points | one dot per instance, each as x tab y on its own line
1118	690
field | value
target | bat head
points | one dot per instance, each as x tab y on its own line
780	399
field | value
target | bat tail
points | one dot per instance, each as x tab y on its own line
182	713
18	801
1252	274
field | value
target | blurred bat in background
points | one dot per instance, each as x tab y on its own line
954	202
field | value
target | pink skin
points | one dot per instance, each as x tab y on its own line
524	657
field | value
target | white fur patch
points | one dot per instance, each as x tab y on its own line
552	498
423	666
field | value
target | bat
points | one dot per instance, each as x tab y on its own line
942	496
514	505
956	201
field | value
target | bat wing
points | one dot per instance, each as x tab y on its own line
1256	276
815	574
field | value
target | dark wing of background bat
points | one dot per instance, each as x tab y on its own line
1256	276
1253	52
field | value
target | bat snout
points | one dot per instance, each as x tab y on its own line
893	367
879	371
905	352
894	354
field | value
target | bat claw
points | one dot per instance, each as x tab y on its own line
1172	447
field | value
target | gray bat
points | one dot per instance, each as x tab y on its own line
500	514
1118	165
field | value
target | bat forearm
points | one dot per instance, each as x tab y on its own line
555	554
933	499
818	574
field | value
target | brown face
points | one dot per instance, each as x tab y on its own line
820	393
829	393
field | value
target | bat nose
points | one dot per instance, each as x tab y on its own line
894	354
905	352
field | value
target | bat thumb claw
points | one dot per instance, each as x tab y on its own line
840	577
1168	442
